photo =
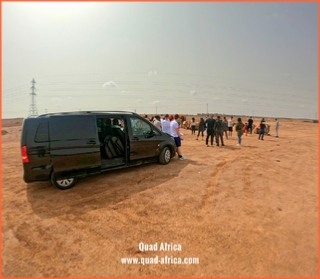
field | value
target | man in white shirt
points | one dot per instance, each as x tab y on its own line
165	124
175	133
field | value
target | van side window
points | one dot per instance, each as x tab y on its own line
42	133
72	127
139	127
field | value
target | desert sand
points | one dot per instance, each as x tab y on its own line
242	212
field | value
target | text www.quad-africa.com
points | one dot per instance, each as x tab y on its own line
161	260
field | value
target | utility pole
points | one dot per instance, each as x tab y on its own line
207	108
33	111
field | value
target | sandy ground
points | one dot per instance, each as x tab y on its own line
243	212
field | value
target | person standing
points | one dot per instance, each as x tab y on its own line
175	133
210	122
157	123
193	126
277	128
179	120
230	127
250	125
165	124
263	126
146	117
219	130
239	130
225	126
201	128
245	128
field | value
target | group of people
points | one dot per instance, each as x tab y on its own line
214	128
171	125
219	127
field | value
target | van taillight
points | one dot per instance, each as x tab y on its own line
24	154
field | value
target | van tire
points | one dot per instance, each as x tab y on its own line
63	184
165	156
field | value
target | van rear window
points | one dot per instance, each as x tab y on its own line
42	133
72	127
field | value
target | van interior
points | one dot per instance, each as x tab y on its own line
112	139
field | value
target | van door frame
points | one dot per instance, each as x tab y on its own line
126	143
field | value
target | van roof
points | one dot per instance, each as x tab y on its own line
87	112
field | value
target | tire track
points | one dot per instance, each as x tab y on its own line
212	187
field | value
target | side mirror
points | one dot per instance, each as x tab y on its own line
149	134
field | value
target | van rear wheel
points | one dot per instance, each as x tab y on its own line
165	156
63	184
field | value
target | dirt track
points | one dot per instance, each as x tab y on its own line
244	212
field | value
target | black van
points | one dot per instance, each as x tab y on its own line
66	146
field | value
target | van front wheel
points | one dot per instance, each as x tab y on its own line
165	156
63	184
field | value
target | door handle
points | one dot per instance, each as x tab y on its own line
91	142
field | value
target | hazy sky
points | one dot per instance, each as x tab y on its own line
232	58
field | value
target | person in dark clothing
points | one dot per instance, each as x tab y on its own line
250	124
201	128
218	127
225	126
263	126
210	122
239	129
